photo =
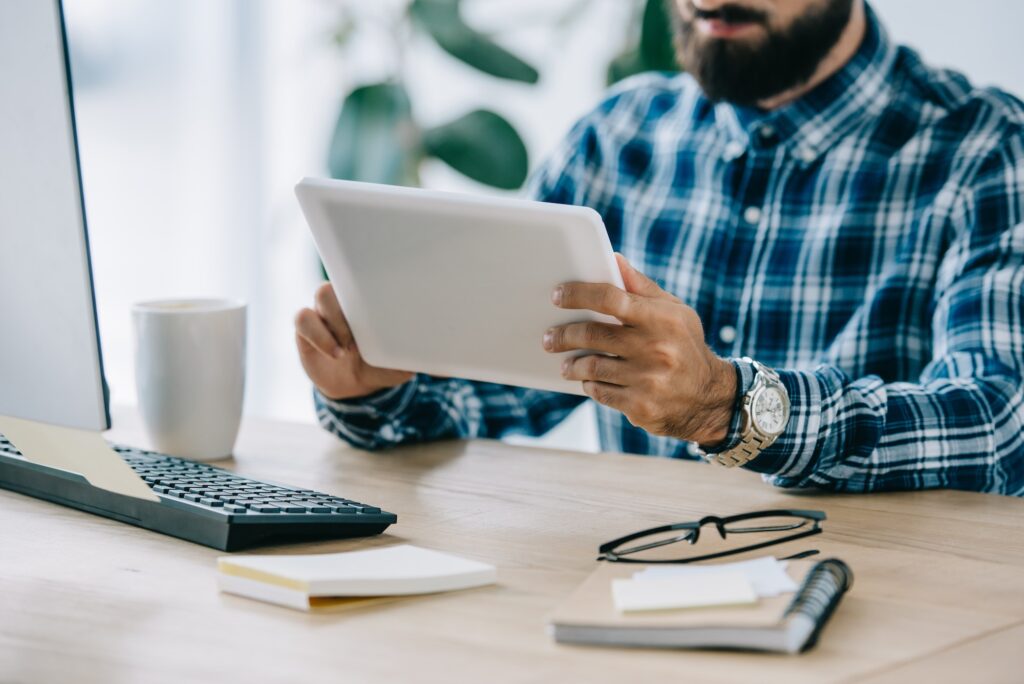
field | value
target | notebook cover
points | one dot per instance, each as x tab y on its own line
591	605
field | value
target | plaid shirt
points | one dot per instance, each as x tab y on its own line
867	241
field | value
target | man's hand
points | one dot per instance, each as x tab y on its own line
330	356
662	375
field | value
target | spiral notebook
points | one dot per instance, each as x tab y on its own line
786	623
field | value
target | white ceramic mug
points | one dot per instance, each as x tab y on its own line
190	374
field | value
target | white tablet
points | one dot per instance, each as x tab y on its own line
455	285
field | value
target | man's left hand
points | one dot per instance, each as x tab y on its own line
661	374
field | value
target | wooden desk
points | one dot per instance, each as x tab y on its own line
938	596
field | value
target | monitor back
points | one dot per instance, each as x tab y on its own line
50	365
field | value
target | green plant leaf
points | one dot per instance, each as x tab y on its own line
656	47
375	138
483	146
653	52
443	21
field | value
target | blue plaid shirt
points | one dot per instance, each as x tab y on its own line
867	241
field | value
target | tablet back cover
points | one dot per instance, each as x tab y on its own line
455	285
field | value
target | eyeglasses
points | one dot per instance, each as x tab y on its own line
781	525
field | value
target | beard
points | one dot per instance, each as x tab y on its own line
745	72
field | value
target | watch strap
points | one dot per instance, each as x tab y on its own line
751	441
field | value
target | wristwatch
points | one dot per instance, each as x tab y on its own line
764	415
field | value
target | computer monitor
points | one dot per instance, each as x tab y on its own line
51	369
52	398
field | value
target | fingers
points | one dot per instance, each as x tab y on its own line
637	282
609	395
603	337
306	347
599	297
330	310
311	329
596	368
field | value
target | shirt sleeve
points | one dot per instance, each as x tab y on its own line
427	408
961	424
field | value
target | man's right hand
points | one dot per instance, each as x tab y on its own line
330	356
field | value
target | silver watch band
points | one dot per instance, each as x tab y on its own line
744	452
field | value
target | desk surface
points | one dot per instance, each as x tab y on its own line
938	595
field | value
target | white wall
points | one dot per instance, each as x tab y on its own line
196	117
981	38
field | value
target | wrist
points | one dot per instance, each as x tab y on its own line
720	407
761	416
381	398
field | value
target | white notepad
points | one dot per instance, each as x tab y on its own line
300	581
723	588
767	575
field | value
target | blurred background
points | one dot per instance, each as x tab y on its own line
197	117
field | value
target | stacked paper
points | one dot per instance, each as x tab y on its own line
308	581
666	587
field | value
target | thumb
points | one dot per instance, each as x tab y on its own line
636	282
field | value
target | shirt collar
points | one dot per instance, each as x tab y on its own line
810	125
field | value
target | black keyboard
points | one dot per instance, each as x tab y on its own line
199	502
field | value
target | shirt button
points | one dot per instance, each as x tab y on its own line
806	155
733	150
727	334
766	132
752	215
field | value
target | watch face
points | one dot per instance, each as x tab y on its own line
769	413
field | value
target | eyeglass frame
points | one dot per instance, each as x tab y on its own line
606	553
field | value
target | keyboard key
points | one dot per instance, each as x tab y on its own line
234	494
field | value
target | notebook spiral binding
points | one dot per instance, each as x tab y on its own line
820	593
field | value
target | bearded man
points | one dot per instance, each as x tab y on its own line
822	241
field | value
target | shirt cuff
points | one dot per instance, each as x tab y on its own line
383	403
810	431
787	461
